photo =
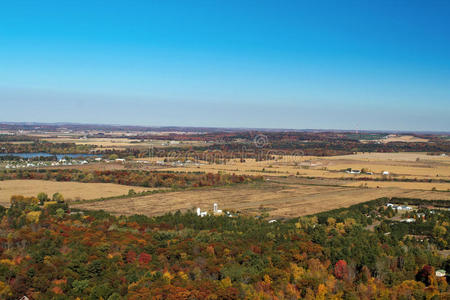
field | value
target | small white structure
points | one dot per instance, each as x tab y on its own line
385	173
409	220
404	207
440	273
201	213
121	160
216	209
272	221
399	207
228	214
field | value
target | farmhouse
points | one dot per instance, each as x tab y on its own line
399	207
201	213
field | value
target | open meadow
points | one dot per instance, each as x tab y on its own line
289	197
70	190
289	190
400	166
120	142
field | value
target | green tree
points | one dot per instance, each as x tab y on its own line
43	197
58	197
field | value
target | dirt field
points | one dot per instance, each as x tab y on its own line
285	198
403	138
70	190
404	185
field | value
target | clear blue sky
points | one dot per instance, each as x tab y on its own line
275	64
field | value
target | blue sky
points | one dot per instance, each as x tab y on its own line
274	64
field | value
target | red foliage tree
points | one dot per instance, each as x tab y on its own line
341	269
131	257
144	258
424	274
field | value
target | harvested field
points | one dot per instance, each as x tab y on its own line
280	199
92	167
399	165
118	142
404	185
70	190
403	138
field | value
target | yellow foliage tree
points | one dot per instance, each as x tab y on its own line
33	216
225	283
321	292
5	290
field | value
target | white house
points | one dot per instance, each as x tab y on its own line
385	173
201	213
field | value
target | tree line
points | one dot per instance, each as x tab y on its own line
53	252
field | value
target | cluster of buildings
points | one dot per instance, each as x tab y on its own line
36	164
216	211
406	208
352	171
177	163
399	207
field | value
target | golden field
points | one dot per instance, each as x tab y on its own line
404	185
289	197
70	190
117	143
399	165
286	191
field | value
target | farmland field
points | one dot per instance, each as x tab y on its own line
285	198
70	190
117	143
399	165
288	192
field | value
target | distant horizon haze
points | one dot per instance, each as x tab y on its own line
180	128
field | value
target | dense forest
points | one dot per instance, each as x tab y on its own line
47	147
132	177
53	252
